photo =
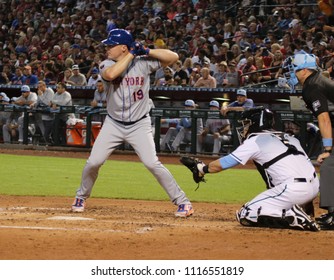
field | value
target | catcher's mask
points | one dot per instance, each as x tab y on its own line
297	62
119	37
254	120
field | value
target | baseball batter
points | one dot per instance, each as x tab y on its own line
288	170
126	75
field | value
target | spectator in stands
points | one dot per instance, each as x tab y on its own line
221	74
67	74
18	78
194	76
187	66
167	80
276	65
180	76
206	80
94	78
263	53
77	78
45	120
240	104
61	98
262	75
48	75
201	57
30	79
216	132
228	32
247	70
245	54
233	76
237	54
6	75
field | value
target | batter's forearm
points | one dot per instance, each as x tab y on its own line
114	71
166	57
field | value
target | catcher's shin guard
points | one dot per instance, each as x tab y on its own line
242	215
272	222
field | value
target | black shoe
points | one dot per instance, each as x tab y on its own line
325	219
329	226
303	221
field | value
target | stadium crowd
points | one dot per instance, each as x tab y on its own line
45	40
227	43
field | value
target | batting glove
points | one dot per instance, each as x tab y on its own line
138	49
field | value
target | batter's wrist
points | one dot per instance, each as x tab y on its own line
327	150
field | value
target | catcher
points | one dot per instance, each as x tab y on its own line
282	163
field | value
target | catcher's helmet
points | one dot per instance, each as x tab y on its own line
119	37
254	120
298	62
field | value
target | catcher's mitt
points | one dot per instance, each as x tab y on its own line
192	164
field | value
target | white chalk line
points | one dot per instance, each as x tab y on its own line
11	209
59	228
70	218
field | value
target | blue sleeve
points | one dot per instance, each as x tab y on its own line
233	104
248	104
34	80
228	162
186	122
176	121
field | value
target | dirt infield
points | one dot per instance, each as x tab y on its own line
44	228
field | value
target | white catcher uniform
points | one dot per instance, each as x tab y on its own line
293	177
128	121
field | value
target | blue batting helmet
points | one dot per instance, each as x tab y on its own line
119	37
298	62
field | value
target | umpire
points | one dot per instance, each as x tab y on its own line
317	91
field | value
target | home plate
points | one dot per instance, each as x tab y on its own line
70	218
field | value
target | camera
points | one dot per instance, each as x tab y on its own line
265	51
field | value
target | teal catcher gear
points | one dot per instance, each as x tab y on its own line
119	37
298	62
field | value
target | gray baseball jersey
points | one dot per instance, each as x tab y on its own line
215	125
45	99
127	96
127	121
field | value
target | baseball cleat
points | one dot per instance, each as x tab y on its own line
303	221
184	210
326	221
78	205
325	218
